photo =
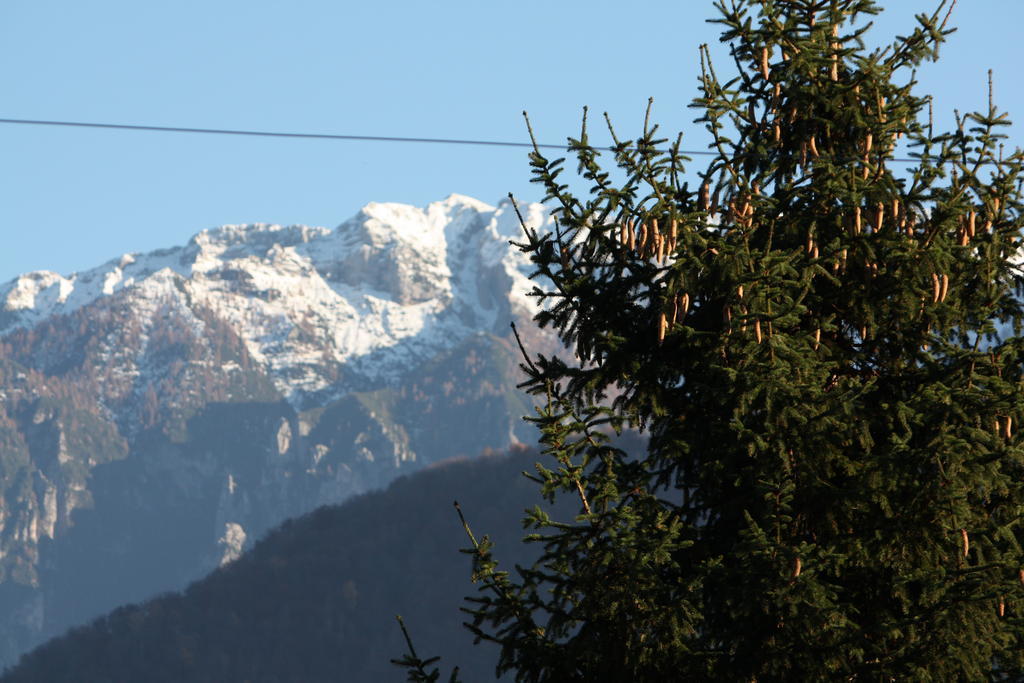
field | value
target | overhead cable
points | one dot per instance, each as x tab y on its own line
335	136
277	134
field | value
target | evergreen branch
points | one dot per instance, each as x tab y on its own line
417	667
820	414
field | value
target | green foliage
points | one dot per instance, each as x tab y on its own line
823	346
418	672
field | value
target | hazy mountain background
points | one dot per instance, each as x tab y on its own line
161	412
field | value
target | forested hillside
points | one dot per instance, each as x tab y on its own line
316	599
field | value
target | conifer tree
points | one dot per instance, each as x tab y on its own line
823	347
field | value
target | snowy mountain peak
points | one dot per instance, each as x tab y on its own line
255	236
388	287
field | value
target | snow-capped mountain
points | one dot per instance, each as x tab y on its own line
384	291
161	411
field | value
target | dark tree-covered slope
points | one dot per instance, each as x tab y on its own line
316	599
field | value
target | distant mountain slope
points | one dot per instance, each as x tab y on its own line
160	412
315	600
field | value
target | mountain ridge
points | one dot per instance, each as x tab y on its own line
178	404
392	273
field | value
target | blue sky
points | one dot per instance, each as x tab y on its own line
73	198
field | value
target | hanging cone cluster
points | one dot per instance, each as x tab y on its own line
649	239
967	228
877	218
677	310
940	287
1003	427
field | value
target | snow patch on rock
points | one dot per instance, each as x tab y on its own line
233	542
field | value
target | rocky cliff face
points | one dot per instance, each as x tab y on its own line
159	413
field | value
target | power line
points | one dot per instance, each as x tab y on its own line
334	136
276	134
